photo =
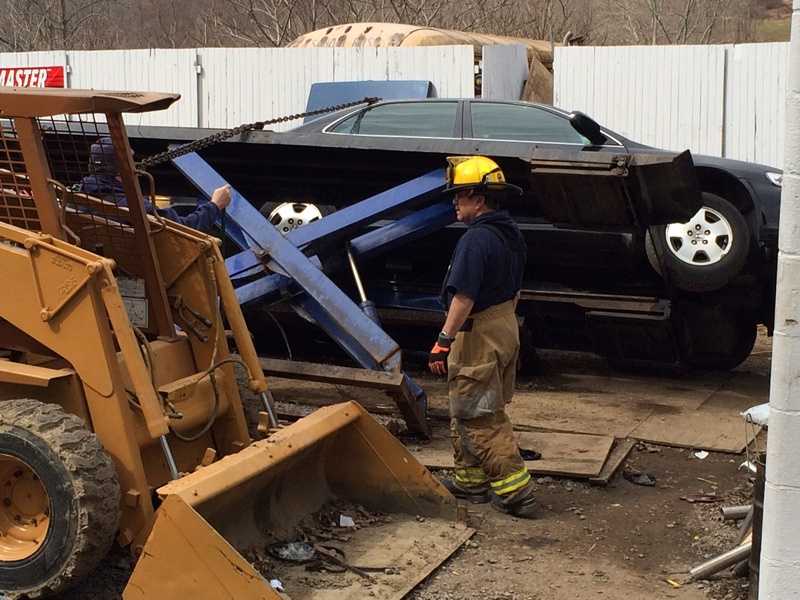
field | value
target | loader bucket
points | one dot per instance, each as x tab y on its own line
274	490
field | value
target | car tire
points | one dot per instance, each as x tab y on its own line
715	337
701	268
297	206
62	513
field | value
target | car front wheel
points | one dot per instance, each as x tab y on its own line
715	337
705	253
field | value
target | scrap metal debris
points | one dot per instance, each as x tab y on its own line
639	478
317	545
299	552
701	498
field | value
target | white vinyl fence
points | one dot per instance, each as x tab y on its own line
505	69
224	87
721	100
249	84
141	70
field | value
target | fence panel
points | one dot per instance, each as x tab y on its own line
505	69
666	96
56	58
755	107
142	70
722	100
237	85
250	84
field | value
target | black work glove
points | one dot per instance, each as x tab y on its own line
437	359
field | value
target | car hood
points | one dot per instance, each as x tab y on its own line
739	168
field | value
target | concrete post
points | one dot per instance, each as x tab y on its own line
780	545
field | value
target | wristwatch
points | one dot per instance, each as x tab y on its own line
445	340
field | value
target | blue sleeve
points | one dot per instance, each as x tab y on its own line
202	219
468	265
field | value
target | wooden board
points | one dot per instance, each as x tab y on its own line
614	461
677	412
569	454
714	429
324	373
313	393
569	412
688	391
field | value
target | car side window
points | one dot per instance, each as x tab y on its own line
495	121
406	119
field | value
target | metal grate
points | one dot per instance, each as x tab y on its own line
90	193
16	198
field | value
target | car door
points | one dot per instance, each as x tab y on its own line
586	206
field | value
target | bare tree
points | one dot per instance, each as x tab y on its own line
276	22
88	24
678	21
51	24
162	24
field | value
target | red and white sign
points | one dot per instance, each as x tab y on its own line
32	77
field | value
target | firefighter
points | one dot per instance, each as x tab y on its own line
105	182
479	345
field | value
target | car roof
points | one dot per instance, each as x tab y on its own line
321	122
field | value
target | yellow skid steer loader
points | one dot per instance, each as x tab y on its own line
120	412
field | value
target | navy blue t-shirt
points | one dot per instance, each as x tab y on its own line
488	262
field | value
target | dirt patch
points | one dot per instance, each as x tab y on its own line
621	541
615	542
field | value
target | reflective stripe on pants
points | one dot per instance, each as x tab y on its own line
508	485
471	476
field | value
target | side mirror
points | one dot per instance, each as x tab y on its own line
587	127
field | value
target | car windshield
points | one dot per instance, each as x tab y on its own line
406	119
498	121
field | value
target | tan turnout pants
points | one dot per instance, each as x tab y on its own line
481	375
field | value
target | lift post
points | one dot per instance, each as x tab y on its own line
291	268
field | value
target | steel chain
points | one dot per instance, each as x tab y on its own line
215	138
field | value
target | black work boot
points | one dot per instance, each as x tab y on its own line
520	504
476	494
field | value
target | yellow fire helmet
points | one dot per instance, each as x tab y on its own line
477	172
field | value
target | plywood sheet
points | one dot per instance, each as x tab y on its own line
689	391
569	454
713	429
409	548
572	412
697	412
614	461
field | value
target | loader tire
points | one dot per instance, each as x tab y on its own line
59	500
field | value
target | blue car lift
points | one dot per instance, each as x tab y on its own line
272	268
